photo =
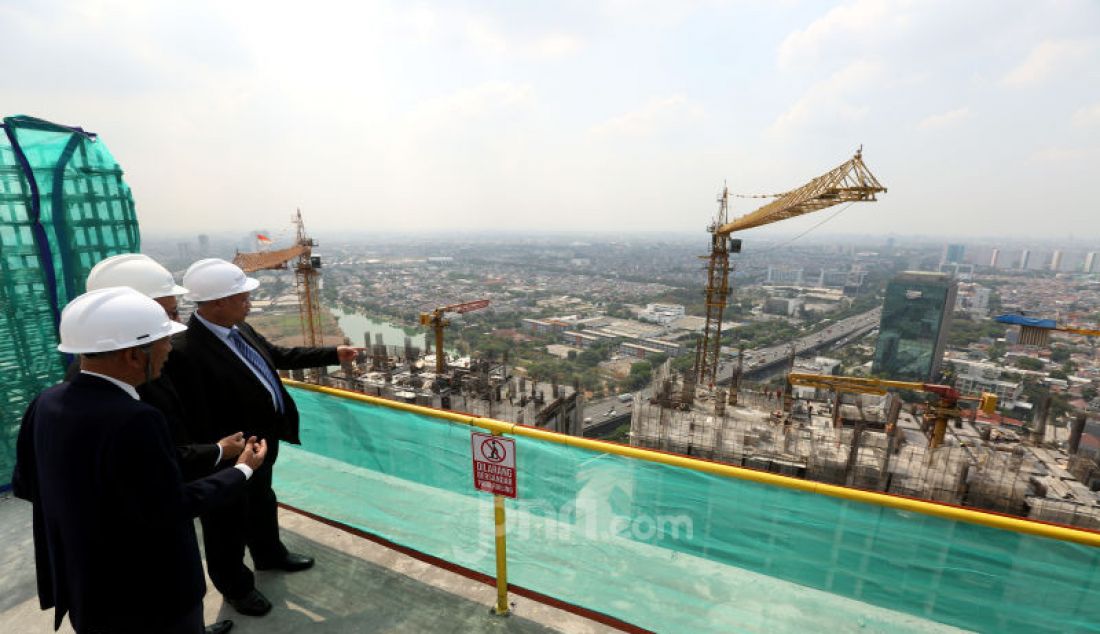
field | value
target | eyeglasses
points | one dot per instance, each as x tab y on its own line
173	314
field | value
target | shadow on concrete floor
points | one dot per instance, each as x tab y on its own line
343	593
355	586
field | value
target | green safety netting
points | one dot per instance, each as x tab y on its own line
672	549
63	207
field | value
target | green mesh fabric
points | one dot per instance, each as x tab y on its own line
85	213
676	550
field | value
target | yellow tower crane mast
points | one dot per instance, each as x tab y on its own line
847	183
437	322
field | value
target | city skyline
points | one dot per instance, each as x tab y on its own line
980	118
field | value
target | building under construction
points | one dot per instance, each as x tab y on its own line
479	386
870	442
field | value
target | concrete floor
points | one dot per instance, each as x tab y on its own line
356	586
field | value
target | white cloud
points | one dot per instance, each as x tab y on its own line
830	100
1049	57
484	36
1087	116
857	21
481	34
477	101
555	46
655	114
944	119
1056	153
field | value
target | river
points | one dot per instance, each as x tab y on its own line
355	325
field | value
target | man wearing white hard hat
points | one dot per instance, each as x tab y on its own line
114	539
145	275
225	373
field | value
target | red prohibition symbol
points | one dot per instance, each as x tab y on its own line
493	450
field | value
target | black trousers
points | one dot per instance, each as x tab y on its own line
249	519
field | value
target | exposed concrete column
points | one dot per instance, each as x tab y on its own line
1076	429
1039	422
853	453
891	441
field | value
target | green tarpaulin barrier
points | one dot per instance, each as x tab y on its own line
63	207
676	550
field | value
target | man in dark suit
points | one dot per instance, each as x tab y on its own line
146	276
225	373
114	536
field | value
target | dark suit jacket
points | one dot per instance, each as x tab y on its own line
222	395
113	532
196	460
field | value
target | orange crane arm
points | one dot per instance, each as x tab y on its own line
988	402
251	262
1087	332
861	384
465	307
849	182
947	406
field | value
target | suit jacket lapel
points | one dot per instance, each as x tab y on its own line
209	340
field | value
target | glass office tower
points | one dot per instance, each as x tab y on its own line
916	316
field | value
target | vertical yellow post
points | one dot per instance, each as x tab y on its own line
939	431
502	554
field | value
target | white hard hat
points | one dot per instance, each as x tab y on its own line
214	278
113	318
140	272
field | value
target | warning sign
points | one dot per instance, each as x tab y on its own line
494	464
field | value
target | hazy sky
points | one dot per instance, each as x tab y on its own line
981	117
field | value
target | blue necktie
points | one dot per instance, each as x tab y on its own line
256	361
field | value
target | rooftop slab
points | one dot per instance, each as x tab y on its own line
356	586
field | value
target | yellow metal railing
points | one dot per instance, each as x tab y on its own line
945	511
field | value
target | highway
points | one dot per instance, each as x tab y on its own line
760	361
603	416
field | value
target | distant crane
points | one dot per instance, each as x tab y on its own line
306	268
437	322
847	183
946	408
1036	332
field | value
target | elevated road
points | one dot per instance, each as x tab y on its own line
764	361
603	416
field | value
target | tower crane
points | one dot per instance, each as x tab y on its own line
944	409
437	322
306	266
847	183
1036	332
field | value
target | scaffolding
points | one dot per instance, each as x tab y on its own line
866	453
64	206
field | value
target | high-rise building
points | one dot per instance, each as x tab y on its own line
954	253
994	257
1056	261
204	244
916	317
1024	257
1090	262
784	277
